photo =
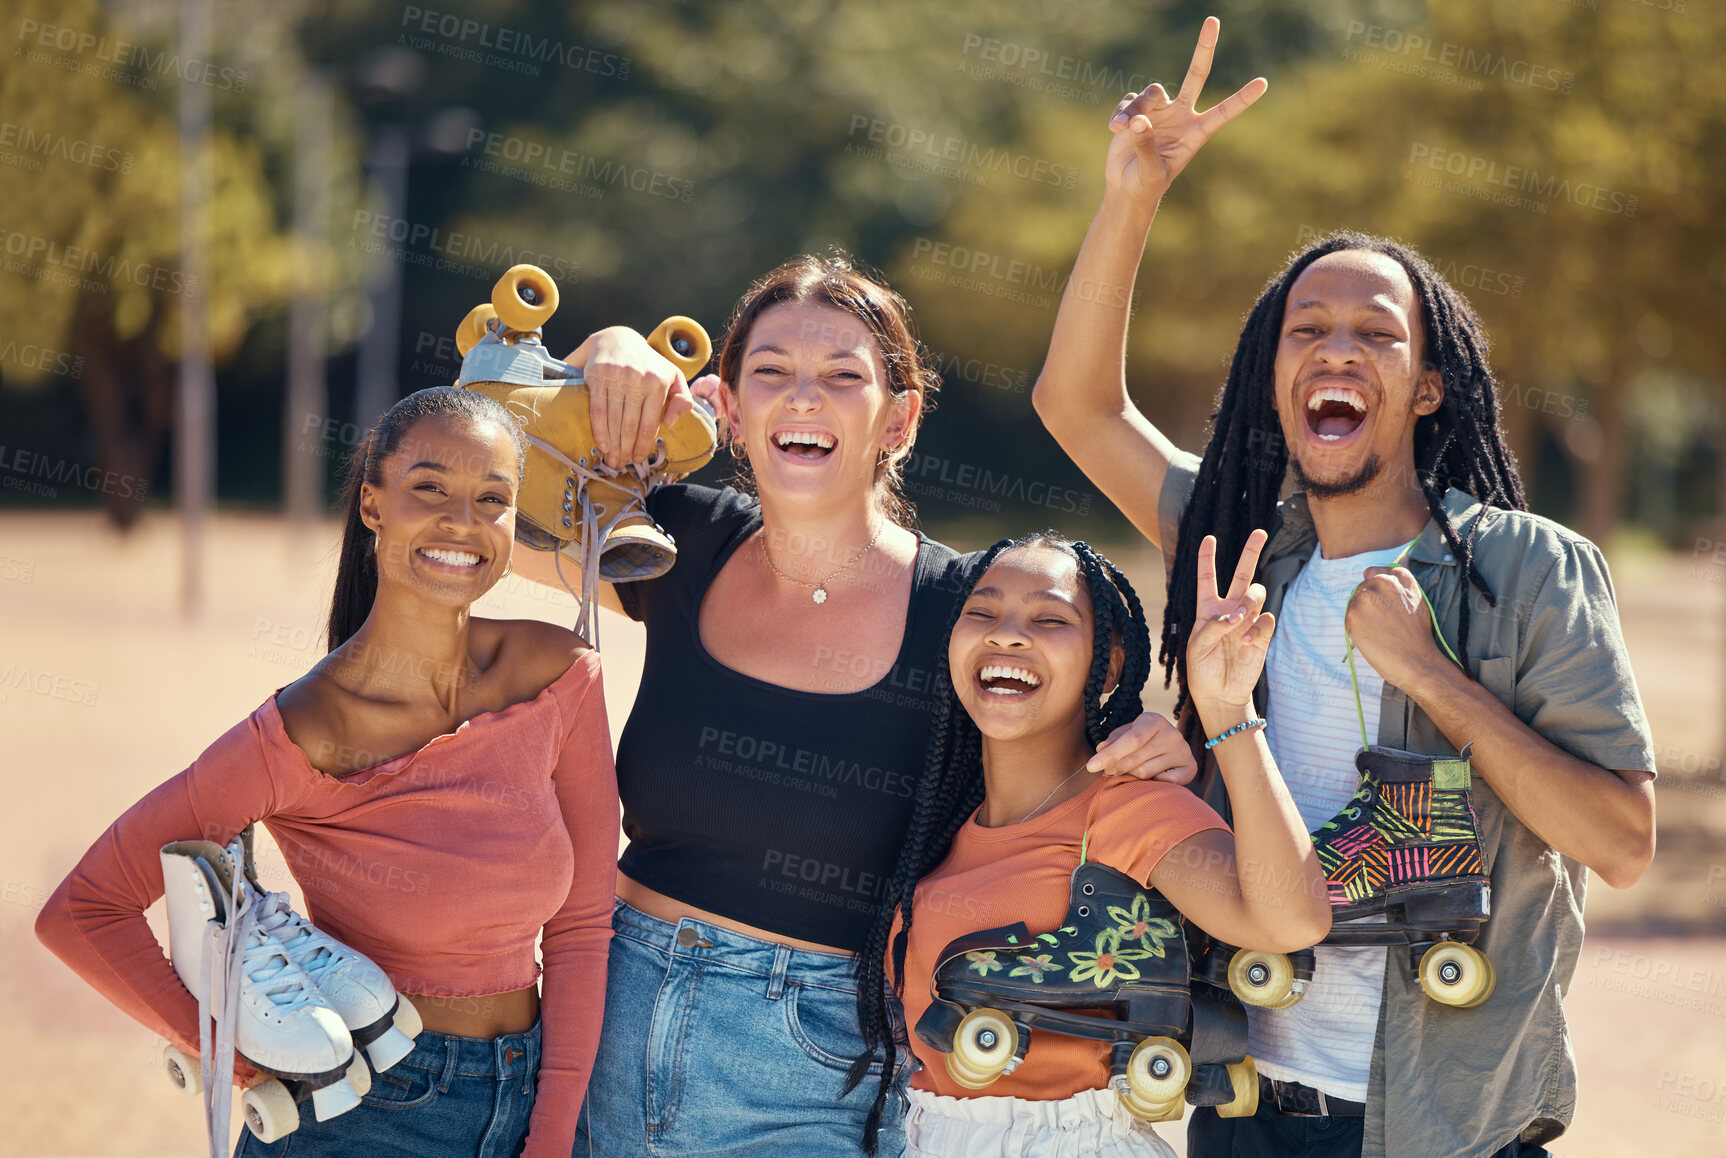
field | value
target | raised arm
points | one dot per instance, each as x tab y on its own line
1081	394
1263	888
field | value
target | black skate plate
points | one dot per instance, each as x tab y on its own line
1148	1014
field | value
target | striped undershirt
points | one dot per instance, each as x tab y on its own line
1325	1039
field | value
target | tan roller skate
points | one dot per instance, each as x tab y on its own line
571	501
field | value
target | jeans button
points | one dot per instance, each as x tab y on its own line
686	937
1321	1123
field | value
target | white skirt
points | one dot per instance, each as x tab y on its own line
1091	1123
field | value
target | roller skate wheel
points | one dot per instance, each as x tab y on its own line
185	1072
1264	979
1244	1076
474	326
683	342
983	1047
359	1077
1158	1070
270	1111
525	297
1147	1111
1456	974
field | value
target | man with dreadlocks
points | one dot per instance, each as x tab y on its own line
1365	374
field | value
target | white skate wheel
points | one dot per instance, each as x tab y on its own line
334	1100
185	1072
270	1111
390	1047
408	1018
359	1076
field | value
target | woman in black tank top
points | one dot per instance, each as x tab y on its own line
770	765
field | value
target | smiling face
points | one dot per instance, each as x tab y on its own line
445	509
812	405
1349	381
1022	648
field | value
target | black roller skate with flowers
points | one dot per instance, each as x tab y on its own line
1122	949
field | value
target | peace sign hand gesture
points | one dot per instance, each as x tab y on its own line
1156	136
1231	634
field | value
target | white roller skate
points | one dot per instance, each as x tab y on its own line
380	1022
263	1005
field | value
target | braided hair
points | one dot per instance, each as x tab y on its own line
951	786
1460	445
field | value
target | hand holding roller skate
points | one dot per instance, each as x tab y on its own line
571	501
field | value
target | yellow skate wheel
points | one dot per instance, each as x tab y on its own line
1169	1111
684	342
1456	974
1265	979
1158	1070
984	1043
473	327
1244	1076
525	297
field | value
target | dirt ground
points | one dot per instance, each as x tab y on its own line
105	690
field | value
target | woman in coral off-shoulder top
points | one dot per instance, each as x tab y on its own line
443	790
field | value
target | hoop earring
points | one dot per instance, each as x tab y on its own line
377	541
738	450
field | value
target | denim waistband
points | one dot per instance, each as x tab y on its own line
694	938
506	1056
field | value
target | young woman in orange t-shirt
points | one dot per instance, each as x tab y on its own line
1048	654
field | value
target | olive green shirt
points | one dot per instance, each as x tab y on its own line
1462	1083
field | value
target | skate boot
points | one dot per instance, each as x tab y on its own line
1406	846
380	1022
571	501
263	1005
1121	950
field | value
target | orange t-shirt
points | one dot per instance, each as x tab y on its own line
996	876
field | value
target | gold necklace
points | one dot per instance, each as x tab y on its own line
820	595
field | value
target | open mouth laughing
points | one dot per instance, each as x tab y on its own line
807	445
1335	412
1007	680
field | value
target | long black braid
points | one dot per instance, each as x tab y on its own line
951	787
1460	445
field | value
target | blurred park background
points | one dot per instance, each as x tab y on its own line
187	329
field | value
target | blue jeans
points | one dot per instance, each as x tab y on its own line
451	1096
721	1044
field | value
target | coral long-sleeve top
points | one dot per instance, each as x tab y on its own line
442	865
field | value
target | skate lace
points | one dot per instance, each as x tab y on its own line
593	532
274	953
230	943
1348	652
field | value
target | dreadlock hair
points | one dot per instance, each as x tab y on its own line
357	563
1461	444
951	787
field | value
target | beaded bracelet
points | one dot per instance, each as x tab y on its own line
1240	727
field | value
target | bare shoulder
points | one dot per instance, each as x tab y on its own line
533	654
316	713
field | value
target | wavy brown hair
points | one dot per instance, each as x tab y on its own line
840	281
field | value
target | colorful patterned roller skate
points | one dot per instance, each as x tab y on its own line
571	501
1122	949
1407	846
